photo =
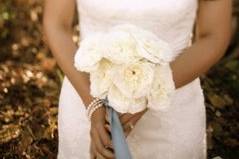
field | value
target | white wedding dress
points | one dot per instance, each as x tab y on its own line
176	134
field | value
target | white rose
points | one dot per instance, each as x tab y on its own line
133	80
123	104
99	79
89	53
121	47
162	88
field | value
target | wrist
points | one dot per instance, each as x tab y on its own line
87	100
94	105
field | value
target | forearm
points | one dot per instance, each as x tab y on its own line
197	59
63	49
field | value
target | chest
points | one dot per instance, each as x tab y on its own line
138	9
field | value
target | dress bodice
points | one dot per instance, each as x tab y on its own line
171	20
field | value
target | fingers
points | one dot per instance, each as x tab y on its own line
94	154
93	151
107	127
99	134
99	156
127	122
125	118
105	137
133	118
129	125
120	114
107	117
99	144
128	128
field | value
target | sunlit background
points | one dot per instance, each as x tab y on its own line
30	84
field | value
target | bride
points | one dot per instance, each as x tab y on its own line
175	134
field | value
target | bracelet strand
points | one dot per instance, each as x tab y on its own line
92	103
94	109
93	106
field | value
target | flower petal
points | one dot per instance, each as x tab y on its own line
153	49
99	79
89	53
121	48
133	80
123	104
149	46
162	89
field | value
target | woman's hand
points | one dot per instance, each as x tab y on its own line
128	121
101	145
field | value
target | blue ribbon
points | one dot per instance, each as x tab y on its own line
121	149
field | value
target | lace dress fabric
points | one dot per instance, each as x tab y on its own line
178	133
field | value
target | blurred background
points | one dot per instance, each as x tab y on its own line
30	84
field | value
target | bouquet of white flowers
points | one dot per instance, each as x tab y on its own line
129	66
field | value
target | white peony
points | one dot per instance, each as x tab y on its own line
133	80
99	79
154	49
121	47
89	53
123	104
149	46
162	88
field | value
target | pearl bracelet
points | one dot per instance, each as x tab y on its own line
95	104
94	109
